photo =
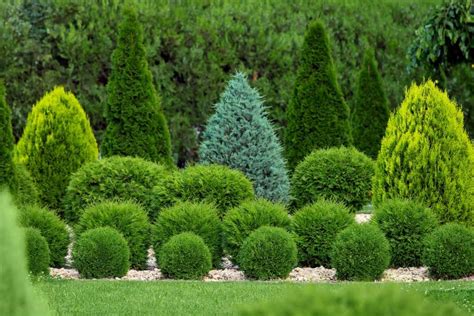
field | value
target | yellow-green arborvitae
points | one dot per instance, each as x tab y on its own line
426	155
57	140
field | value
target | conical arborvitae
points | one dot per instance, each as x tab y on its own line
7	169
17	297
370	113
239	135
136	125
426	155
57	140
317	115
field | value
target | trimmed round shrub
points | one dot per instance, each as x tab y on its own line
185	256
449	252
224	187
360	253
316	227
119	178
37	252
242	220
426	155
339	174
51	227
57	141
268	253
405	224
24	189
198	218
128	218
101	253
352	300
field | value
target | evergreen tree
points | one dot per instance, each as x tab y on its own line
136	125
7	168
239	135
317	115
370	113
57	140
427	156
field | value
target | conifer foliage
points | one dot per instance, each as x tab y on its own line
57	141
136	125
6	141
317	115
370	113
426	155
240	136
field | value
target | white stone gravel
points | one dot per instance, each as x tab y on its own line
225	275
406	275
363	218
319	274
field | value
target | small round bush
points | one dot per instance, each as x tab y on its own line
185	256
352	300
24	188
198	218
119	178
449	252
101	253
316	227
37	252
340	174
268	253
224	187
242	220
128	218
51	227
405	224
360	253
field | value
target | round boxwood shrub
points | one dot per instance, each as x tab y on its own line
316	227
198	218
37	252
185	256
220	185
360	253
101	253
128	218
352	300
340	174
405	224
268	253
449	252
120	178
51	227
242	220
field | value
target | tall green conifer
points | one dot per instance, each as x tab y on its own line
6	141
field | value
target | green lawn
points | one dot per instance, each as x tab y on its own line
104	297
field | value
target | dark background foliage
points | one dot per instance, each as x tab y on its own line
193	47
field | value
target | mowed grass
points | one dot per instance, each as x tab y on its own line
109	297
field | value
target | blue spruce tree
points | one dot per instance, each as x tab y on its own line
239	135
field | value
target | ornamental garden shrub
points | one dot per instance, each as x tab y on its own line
427	156
23	188
449	252
57	140
370	112
360	253
317	115
136	125
405	224
220	185
119	178
185	256
268	253
37	252
352	300
339	174
16	292
51	227
315	227
101	253
128	218
239	135
242	220
199	218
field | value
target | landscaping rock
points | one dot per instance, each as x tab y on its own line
406	275
225	275
319	274
363	218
